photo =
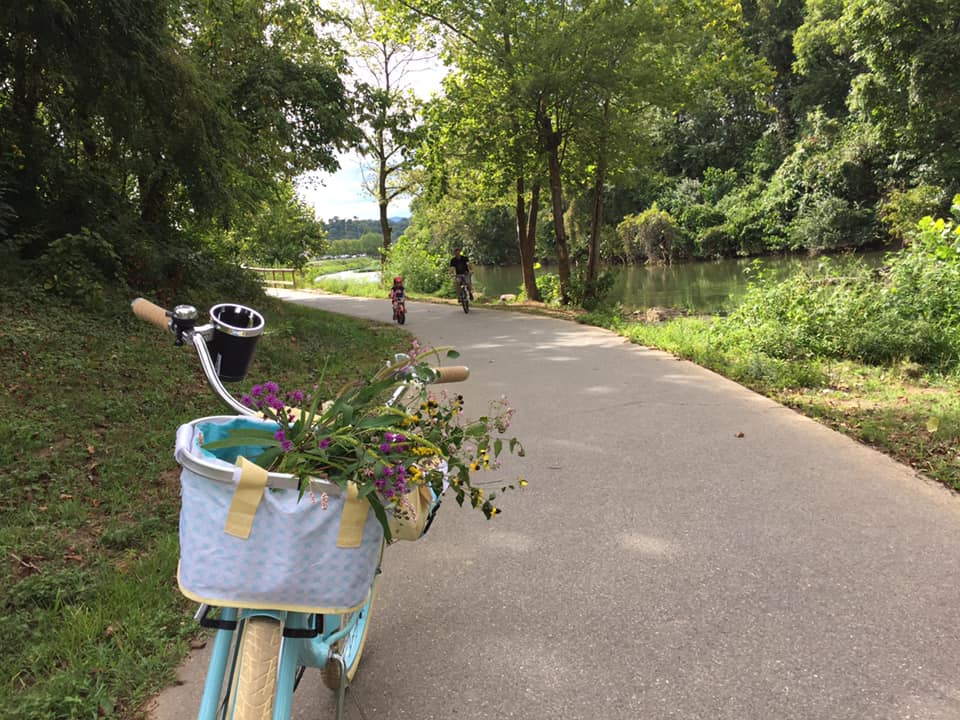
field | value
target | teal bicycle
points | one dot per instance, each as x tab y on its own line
260	653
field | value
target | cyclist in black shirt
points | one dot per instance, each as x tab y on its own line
460	265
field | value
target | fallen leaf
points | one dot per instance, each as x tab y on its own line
66	496
198	644
739	435
933	424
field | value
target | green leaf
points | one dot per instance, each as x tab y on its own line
453	354
497	447
381	514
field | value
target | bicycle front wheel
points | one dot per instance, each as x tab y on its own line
255	678
351	646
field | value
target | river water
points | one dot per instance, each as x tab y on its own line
700	287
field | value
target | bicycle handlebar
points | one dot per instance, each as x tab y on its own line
453	373
182	322
154	314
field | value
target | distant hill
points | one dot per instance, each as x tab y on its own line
353	229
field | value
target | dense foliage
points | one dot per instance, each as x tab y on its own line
907	311
765	126
133	134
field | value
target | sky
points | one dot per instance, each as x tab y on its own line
341	194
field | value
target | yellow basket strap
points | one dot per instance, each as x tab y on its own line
353	519
246	499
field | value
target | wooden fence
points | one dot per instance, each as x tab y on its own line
275	277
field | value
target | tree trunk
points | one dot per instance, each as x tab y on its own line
596	216
383	202
551	143
386	230
556	197
526	235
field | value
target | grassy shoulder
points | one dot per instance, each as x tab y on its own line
92	621
909	414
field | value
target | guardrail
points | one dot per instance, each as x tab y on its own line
275	277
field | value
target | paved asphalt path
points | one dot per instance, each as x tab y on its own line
685	549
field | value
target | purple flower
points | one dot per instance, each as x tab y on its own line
247	400
256	390
298	395
287	445
280	435
271	387
385	448
325	443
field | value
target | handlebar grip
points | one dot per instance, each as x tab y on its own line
454	373
146	310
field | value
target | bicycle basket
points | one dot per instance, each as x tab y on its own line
318	553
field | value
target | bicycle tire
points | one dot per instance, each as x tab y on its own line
255	679
351	646
401	316
464	299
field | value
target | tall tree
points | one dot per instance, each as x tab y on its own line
487	121
388	51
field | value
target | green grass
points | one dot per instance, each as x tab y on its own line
356	288
91	621
335	265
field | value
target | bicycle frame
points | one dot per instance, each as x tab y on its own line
296	653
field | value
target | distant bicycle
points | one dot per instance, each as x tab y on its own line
463	293
398	297
400	308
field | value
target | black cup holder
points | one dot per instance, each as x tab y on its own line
236	330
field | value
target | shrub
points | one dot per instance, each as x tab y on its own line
827	222
77	266
924	277
548	284
715	242
590	295
908	311
901	210
653	235
423	269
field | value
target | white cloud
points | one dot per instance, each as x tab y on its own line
342	195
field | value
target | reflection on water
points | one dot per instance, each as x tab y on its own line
701	287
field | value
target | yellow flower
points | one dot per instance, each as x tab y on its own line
523	483
494	511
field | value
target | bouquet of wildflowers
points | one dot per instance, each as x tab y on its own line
388	435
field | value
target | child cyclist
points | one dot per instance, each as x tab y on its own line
398	296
